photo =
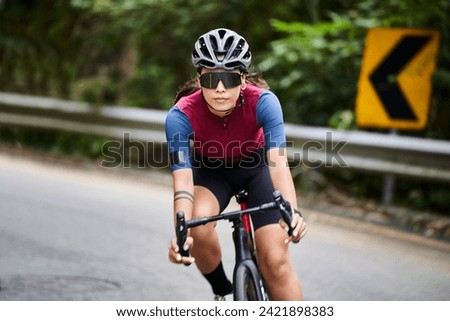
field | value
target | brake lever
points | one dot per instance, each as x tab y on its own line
181	232
285	210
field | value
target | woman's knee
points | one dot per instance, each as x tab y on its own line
203	232
273	254
205	202
275	265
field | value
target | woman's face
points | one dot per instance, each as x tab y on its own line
225	89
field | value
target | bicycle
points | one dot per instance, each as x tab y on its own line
248	284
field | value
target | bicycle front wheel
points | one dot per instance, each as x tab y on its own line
248	285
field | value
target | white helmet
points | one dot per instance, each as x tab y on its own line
222	48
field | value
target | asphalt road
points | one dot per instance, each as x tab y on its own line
91	234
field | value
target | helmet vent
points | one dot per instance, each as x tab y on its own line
204	50
228	43
213	42
222	33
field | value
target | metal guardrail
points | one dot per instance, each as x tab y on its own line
313	146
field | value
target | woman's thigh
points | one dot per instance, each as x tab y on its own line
210	188
260	191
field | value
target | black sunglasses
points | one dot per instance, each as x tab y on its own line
211	79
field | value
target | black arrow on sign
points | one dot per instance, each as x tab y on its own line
384	77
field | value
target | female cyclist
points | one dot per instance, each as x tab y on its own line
236	126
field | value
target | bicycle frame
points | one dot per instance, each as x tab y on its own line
243	239
244	243
246	261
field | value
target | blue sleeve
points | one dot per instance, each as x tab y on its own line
178	132
270	116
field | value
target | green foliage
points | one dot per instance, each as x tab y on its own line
314	68
142	46
343	119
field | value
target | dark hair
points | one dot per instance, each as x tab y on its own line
253	77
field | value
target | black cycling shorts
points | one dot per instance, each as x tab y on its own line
225	180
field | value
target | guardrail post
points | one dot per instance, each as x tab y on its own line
389	180
388	189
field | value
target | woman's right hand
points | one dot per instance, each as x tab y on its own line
174	254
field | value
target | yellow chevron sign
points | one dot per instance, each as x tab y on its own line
394	89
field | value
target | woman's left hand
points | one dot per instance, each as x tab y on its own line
299	228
